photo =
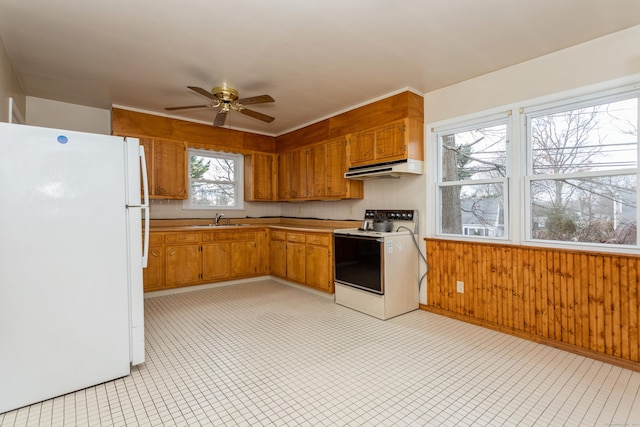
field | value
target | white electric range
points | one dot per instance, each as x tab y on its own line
376	272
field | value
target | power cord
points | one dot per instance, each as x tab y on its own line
415	242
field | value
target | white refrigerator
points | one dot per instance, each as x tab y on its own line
72	252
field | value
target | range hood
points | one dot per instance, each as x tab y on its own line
386	170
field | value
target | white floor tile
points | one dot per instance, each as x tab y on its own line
267	354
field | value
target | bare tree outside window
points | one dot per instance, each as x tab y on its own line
584	165
213	180
472	181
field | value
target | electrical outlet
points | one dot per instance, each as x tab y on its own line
460	287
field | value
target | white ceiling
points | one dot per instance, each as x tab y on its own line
315	57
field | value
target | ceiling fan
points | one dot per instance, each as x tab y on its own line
227	99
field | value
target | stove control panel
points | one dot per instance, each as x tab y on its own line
391	215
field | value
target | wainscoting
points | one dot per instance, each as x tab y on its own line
580	301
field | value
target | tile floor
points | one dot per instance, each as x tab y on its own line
267	354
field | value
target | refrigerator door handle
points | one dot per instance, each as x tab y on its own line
145	207
145	180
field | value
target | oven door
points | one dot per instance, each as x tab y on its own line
359	262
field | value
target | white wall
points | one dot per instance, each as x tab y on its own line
611	57
62	115
599	63
10	87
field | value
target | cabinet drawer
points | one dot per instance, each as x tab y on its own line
295	237
318	239
208	237
155	239
235	235
278	235
181	238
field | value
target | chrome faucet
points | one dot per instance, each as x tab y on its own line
216	220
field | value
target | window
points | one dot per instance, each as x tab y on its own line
473	179
215	180
582	166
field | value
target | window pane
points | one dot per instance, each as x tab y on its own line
600	137
212	194
212	168
596	209
474	210
476	154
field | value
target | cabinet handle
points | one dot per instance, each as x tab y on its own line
155	254
172	253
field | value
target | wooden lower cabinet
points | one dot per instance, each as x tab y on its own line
182	264
188	258
153	275
278	253
244	257
303	257
216	261
296	261
319	262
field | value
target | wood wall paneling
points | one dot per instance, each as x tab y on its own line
580	301
307	135
396	107
132	123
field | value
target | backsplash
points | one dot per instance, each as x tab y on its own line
171	209
404	193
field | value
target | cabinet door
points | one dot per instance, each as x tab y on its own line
153	275
216	261
262	252
259	177
318	267
182	264
362	148
284	176
390	142
299	174
278	257
169	169
317	171
243	258
336	166
296	261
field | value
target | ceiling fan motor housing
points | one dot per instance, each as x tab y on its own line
225	94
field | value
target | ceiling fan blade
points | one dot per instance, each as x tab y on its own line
220	118
256	100
257	115
203	92
185	107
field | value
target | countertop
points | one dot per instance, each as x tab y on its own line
305	225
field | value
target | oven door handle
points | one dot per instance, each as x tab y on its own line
360	237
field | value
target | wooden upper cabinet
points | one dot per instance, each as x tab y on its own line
299	171
390	142
166	168
337	186
259	177
284	176
395	141
362	147
316	171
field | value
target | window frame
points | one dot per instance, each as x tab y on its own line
238	160
519	186
501	118
586	100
